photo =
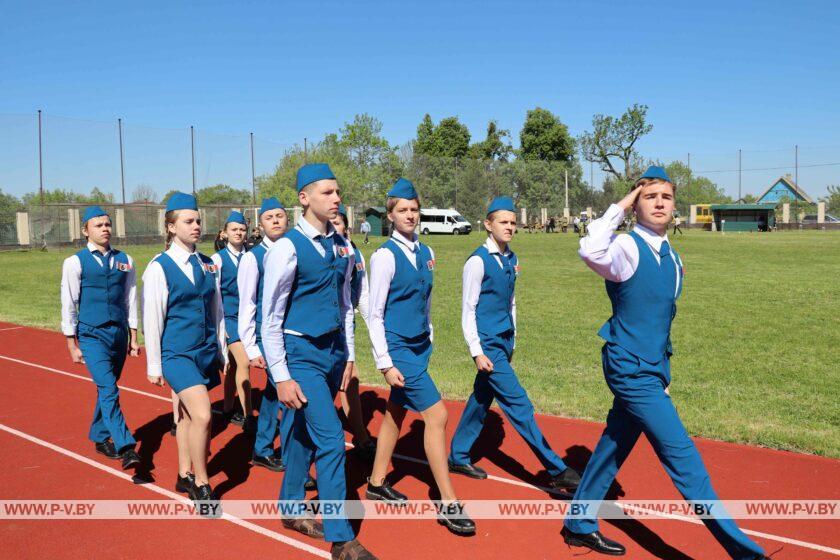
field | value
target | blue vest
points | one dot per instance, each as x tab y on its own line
314	304
259	252
189	324
644	306
356	277
405	308
227	285
493	312
102	293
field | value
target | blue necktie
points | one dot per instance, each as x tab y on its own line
196	268
664	251
326	243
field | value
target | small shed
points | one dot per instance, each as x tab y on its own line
744	217
377	217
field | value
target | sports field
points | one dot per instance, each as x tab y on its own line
755	337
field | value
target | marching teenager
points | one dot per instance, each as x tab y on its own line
307	333
644	278
273	222
237	376
401	336
359	296
488	320
99	319
183	323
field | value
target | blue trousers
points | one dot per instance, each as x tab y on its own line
268	421
642	406
317	365
504	386
104	350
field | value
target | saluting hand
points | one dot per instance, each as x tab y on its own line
290	394
394	377
483	363
628	201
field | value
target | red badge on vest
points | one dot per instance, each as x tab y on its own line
343	252
360	266
430	264
123	267
517	269
211	268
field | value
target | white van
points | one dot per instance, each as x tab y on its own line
435	220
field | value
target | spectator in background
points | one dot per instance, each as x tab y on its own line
220	241
365	229
255	239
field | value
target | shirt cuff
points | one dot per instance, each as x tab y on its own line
154	370
279	372
68	330
475	349
384	362
132	324
253	352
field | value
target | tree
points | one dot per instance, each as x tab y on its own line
544	137
615	139
832	201
223	194
749	199
143	193
58	196
449	138
496	146
693	189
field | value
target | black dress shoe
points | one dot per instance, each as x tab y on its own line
567	480
108	449
308	526
184	484
310	484
594	541
205	500
272	463
249	425
385	493
173	429
350	550
130	458
237	419
455	519
469	470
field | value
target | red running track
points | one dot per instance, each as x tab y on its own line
45	454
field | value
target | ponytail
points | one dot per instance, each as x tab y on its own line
169	218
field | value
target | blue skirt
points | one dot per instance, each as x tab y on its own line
411	357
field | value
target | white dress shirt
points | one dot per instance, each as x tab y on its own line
247	280
155	300
364	292
616	257
71	282
217	257
471	290
382	270
280	267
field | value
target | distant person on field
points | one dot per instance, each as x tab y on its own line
677	221
364	228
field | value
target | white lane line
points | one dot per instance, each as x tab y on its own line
10	329
164	492
83	378
512	482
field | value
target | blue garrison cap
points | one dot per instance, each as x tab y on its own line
93	212
403	188
656	172
312	172
181	201
501	203
270	204
235	217
342	209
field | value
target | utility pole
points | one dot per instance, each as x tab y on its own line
192	145
40	162
253	175
122	160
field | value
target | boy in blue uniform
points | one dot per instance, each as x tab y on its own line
237	375
274	222
99	310
307	334
488	319
643	279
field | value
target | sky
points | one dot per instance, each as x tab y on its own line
762	77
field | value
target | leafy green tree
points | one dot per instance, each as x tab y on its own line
496	146
223	194
57	196
544	137
614	139
832	200
449	138
693	189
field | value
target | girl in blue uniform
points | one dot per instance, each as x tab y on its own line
99	310
237	374
183	322
359	296
401	335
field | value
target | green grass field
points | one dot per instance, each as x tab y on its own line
756	336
